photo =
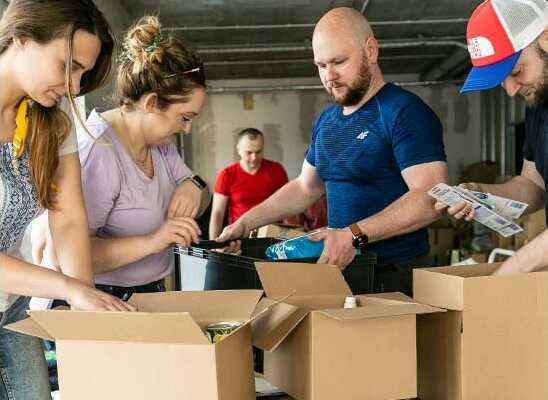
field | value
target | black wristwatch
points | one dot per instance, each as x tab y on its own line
199	182
359	238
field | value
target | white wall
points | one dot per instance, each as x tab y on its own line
461	119
287	118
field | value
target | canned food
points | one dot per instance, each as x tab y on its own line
219	330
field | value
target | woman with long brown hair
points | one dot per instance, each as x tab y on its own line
49	50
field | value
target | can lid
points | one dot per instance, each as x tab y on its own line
224	325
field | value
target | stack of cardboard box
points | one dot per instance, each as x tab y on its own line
491	343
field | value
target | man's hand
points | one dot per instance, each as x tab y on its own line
185	201
237	230
338	249
231	233
462	209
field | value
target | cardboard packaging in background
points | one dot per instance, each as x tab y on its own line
533	225
317	350
276	231
159	352
493	341
442	240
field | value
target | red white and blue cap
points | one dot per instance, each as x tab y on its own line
497	32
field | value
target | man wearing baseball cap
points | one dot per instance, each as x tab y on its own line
508	45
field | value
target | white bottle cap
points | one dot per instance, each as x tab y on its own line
350	302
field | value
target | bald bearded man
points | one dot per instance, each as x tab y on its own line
375	152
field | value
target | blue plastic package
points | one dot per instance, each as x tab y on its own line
300	247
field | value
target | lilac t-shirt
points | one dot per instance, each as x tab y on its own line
122	201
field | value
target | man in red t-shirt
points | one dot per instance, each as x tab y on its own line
245	183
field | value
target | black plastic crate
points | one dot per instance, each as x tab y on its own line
229	271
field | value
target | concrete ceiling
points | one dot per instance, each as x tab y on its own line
261	39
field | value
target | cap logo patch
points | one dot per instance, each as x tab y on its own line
480	47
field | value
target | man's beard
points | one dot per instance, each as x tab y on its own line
540	96
355	92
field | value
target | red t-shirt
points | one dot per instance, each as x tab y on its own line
244	191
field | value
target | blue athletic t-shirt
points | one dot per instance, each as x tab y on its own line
536	143
360	158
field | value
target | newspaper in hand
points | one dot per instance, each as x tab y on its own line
484	213
508	208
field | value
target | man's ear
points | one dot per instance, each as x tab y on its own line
372	50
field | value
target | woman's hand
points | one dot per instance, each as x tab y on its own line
86	298
186	201
179	230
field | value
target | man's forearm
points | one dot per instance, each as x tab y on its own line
289	200
531	257
24	279
520	189
413	211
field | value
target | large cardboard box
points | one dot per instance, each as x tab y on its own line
492	344
317	350
159	352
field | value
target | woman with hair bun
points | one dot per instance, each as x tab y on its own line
48	51
140	196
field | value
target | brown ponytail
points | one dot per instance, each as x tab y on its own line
42	22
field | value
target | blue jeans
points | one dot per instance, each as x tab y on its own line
23	372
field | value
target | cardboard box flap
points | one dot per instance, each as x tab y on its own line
382	308
204	306
466	271
398	296
444	286
29	327
438	289
120	326
270	329
301	279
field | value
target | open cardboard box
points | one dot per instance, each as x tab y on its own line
492	344
316	349
160	352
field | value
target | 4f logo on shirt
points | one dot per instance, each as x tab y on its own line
362	135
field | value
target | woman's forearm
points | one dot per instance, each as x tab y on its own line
111	254
24	279
72	245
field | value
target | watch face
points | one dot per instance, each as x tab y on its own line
359	242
